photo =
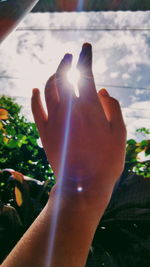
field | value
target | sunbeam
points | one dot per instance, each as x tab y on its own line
61	176
73	76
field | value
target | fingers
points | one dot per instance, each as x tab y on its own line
63	86
112	109
85	60
64	65
51	95
39	114
86	84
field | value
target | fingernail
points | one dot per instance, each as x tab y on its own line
68	57
35	91
86	46
104	92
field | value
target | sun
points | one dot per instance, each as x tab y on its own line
73	76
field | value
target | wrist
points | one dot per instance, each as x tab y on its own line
84	200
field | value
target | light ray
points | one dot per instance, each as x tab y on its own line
61	176
73	76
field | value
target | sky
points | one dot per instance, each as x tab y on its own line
121	57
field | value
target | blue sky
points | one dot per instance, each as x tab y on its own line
121	57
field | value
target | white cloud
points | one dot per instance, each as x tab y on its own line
121	58
114	74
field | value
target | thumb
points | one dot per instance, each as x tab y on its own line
38	111
111	108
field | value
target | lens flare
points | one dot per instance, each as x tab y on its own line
79	188
73	77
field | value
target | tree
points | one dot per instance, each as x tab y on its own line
19	147
19	151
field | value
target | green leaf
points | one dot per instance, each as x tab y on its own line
131	142
144	143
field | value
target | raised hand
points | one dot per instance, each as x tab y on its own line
97	135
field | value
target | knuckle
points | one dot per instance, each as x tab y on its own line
49	82
115	101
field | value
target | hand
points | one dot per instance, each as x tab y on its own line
97	135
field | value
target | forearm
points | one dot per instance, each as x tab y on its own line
76	225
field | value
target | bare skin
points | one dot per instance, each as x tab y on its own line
94	160
97	134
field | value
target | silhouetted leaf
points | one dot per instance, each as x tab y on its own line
16	175
18	196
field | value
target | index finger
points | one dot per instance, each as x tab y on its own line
61	77
86	84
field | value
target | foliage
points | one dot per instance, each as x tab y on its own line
133	150
19	147
3	114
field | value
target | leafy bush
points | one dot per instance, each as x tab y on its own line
19	147
133	162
